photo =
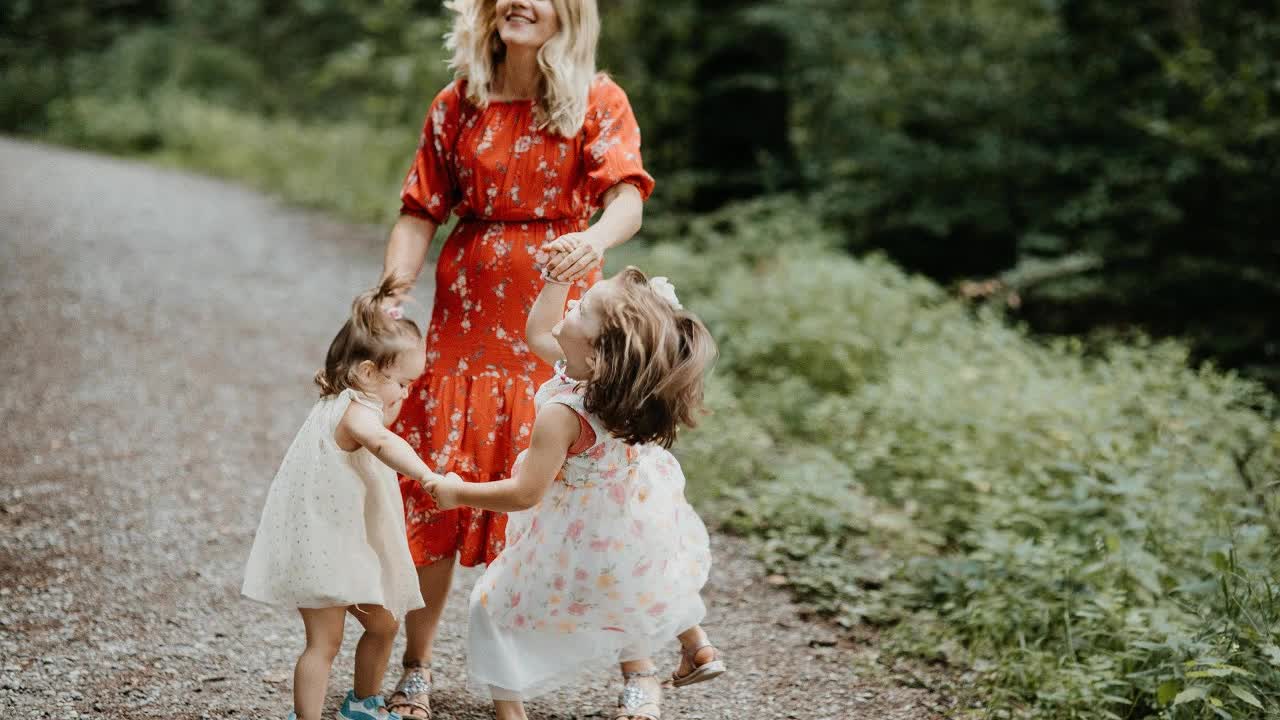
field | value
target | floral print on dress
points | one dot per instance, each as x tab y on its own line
514	188
612	547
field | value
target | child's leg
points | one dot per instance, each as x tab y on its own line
645	695
311	674
509	710
374	648
696	648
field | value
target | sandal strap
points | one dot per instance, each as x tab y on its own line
426	709
690	652
639	712
416	682
413	683
633	698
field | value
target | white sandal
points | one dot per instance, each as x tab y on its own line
635	701
700	673
415	688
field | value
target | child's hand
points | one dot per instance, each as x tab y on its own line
443	489
578	253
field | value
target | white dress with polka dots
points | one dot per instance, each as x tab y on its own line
332	532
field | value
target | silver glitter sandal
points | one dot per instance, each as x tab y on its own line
636	702
415	688
700	673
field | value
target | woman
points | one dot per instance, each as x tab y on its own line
524	146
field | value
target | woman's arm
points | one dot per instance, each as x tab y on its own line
554	432
364	426
407	247
622	216
620	221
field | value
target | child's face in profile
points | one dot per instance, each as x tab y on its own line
577	331
391	384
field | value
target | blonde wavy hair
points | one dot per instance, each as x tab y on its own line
567	60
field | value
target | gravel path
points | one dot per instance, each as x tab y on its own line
160	332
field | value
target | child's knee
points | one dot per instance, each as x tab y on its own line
384	627
377	621
324	648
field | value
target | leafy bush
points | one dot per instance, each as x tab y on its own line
967	138
1089	530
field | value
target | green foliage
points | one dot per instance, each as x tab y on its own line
964	138
346	168
1085	529
1089	529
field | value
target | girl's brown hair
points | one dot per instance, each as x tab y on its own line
649	364
372	333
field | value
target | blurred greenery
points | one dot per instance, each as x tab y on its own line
1090	530
966	139
886	212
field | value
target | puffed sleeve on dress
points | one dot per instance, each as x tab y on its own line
429	191
612	144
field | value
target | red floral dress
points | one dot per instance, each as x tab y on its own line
514	188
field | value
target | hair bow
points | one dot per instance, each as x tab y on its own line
666	291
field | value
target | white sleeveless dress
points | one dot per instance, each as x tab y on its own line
607	567
332	531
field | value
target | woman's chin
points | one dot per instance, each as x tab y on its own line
521	38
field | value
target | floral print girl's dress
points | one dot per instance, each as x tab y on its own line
514	188
607	568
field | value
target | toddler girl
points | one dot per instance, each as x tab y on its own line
332	537
604	558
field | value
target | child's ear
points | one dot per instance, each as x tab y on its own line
366	372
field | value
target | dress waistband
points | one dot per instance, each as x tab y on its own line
473	219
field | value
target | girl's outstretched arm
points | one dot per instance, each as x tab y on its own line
554	432
547	310
364	426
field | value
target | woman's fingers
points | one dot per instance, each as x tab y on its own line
583	267
396	299
577	264
565	260
569	261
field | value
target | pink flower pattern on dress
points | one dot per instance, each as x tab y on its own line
612	547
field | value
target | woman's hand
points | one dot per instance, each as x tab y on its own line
573	255
443	489
392	302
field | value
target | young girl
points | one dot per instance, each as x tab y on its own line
609	559
332	536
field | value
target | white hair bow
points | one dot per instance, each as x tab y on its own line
666	291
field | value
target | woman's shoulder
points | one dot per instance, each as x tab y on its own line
452	96
605	90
